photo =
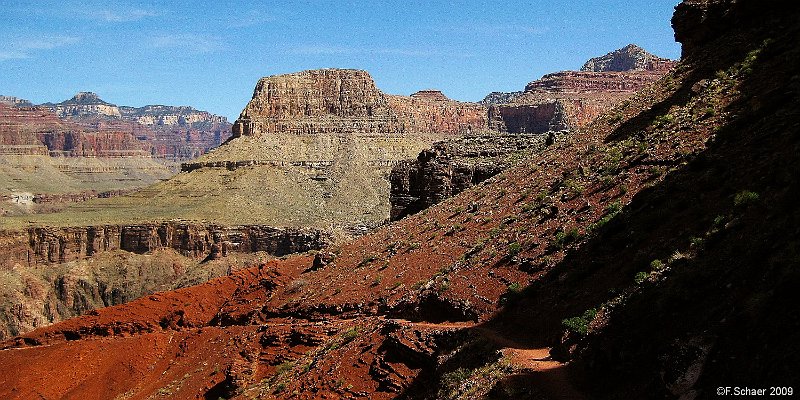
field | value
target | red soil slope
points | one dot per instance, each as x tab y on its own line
416	309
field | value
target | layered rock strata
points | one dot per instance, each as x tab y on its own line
330	137
43	245
452	166
335	101
628	58
176	133
571	99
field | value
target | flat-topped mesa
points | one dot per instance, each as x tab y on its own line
171	115
346	101
430	94
628	58
318	101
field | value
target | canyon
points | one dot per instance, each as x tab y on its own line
529	121
52	155
316	148
51	274
650	253
323	149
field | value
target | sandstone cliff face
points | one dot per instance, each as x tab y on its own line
166	132
15	101
85	104
571	99
335	101
42	245
49	274
327	140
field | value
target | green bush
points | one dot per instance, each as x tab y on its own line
641	277
580	324
745	197
663	120
656	265
564	238
514	248
350	334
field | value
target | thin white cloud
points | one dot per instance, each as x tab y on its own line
509	31
187	42
321	50
251	18
46	42
11	55
120	15
23	47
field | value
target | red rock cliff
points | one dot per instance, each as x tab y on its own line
337	101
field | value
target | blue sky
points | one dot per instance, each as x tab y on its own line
210	54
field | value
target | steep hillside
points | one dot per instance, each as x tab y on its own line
530	121
656	249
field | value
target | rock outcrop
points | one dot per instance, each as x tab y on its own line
452	166
628	58
42	245
347	102
327	139
571	99
176	133
50	274
15	101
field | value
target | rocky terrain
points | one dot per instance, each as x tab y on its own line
652	254
628	58
548	108
50	274
46	160
452	166
310	149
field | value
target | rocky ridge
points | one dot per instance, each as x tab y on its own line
545	110
628	58
176	133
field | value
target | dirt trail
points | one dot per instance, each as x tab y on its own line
548	375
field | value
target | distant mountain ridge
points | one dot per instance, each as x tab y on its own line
89	104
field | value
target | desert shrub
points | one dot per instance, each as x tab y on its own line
641	277
745	197
580	324
514	248
656	265
663	120
284	367
350	334
564	238
367	259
